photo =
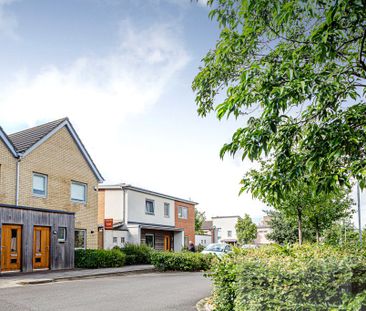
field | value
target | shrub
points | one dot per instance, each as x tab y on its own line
181	261
309	277
137	254
98	258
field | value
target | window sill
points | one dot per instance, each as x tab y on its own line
152	214
40	196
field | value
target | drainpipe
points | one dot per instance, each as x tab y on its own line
124	206
17	179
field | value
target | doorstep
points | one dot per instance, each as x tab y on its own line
20	279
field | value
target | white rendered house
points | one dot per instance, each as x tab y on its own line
140	216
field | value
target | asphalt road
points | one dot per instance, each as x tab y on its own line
152	291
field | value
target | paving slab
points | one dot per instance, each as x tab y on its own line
20	279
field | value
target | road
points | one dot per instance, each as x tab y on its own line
150	291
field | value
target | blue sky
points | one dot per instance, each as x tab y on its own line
122	72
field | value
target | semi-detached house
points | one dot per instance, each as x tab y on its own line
48	197
129	214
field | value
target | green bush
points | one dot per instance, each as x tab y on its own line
137	254
99	258
181	261
309	277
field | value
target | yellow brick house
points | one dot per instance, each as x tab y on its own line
48	167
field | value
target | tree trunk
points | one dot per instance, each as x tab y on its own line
299	222
317	235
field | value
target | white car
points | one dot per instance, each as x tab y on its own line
219	249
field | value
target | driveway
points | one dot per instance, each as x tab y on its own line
153	291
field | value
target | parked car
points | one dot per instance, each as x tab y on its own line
219	249
248	246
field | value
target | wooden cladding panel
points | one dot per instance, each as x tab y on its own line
61	253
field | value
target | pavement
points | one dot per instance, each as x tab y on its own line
178	291
20	279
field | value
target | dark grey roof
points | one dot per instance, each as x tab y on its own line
25	139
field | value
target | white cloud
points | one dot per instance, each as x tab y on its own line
98	93
8	22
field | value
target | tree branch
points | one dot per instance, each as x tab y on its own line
361	51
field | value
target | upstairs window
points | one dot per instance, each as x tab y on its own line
149	207
229	234
182	212
166	210
39	185
78	192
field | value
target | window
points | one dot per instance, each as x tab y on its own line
229	234
115	239
149	207
150	240
122	240
80	239
61	234
39	185
166	210
182	212
78	192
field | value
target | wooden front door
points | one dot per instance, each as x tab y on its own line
41	248
11	248
167	242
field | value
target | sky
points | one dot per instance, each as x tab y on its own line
122	70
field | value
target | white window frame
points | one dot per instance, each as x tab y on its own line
45	178
180	212
77	183
62	240
153	205
229	233
153	238
166	208
85	236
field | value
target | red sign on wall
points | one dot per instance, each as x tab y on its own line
108	224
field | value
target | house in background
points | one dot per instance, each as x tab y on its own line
136	215
48	197
263	228
209	234
225	228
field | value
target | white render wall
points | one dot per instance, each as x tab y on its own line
261	236
110	234
223	225
203	240
114	205
136	209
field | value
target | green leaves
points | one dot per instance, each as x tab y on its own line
290	278
294	68
246	230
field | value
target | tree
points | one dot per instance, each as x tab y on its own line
199	219
297	68
246	230
320	210
284	230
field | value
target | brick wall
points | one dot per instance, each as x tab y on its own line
61	160
7	175
186	224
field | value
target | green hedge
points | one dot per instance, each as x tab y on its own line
99	258
181	261
137	254
309	277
